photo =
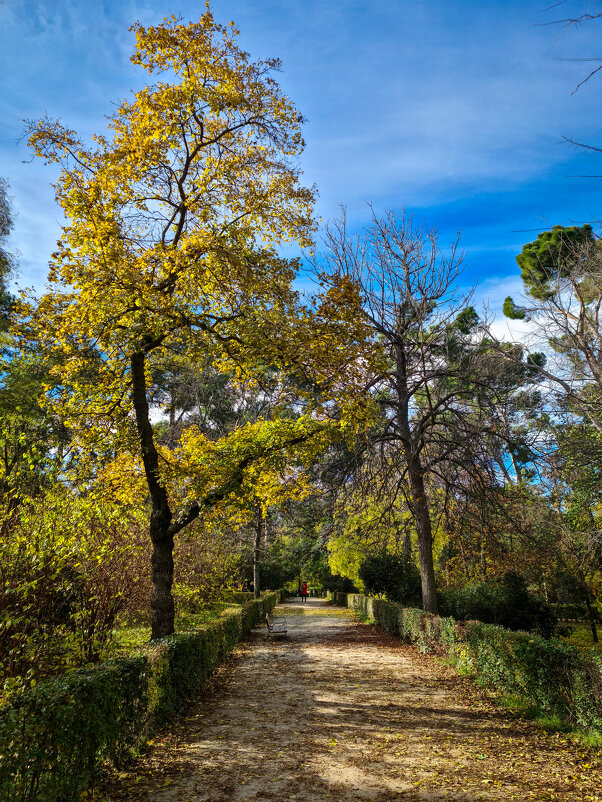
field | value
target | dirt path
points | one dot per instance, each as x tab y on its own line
341	711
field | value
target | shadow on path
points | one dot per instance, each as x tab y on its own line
342	711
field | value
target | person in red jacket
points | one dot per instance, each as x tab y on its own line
304	591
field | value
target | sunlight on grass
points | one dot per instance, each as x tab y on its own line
133	636
340	612
581	637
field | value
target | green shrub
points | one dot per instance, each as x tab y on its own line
392	575
384	613
548	674
255	611
506	603
429	632
55	737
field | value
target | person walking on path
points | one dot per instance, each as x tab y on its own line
304	592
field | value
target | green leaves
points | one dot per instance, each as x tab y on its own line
512	311
554	254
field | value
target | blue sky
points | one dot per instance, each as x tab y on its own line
452	109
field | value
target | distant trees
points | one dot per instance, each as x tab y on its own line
562	275
575	472
394	575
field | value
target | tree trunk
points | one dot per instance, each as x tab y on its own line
422	518
591	614
421	512
162	603
257	553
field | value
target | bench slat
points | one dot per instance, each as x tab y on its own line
276	626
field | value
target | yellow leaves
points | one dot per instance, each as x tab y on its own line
161	254
166	173
122	481
260	463
345	558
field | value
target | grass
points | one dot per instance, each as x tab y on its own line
133	635
548	723
581	636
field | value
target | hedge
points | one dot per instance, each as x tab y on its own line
237	596
55	737
549	675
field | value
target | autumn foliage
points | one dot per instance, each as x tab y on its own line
172	219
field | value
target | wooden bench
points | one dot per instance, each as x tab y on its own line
276	625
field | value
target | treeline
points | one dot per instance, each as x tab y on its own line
177	420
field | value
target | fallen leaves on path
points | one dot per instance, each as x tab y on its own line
342	711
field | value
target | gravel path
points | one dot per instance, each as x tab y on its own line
342	711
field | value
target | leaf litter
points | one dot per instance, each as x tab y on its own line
342	711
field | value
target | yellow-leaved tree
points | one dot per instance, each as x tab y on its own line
172	219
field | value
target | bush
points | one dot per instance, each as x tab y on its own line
506	603
392	575
340	599
68	568
55	737
546	674
384	613
339	584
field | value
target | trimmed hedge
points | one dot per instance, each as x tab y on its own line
55	737
385	613
339	598
237	596
547	674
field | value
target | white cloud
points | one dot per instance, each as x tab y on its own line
489	300
408	103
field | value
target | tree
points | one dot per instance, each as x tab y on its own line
551	258
393	575
432	376
32	443
172	217
7	260
562	275
574	471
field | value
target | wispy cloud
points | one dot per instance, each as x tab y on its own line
455	110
